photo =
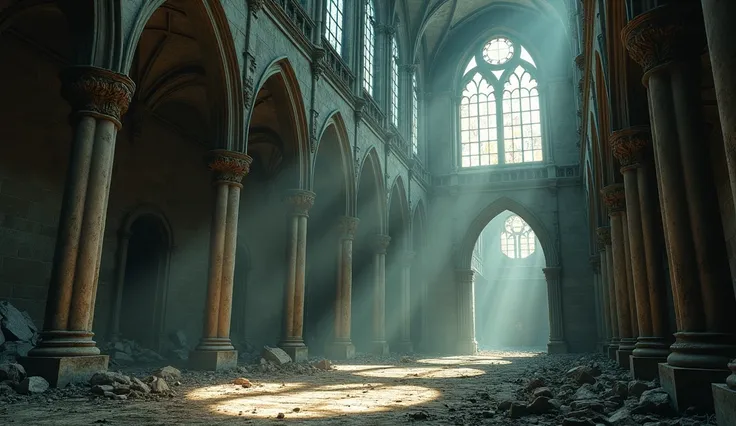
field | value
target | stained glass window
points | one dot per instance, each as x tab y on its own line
500	118
517	238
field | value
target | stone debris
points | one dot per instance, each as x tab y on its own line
18	333
12	371
128	352
180	349
168	373
241	381
323	364
276	356
33	384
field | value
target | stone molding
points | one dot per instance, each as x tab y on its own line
97	92
580	61
381	243
318	62
629	146
614	198
229	167
464	276
604	237
300	201
347	226
552	273
665	34
731	380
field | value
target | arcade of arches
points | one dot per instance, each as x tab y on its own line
339	178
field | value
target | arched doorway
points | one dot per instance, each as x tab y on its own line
143	268
510	289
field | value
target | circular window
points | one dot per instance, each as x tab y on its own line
498	51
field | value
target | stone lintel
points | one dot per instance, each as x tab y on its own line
60	371
690	387
213	360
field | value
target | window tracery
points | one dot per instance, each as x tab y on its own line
334	27
394	82
369	47
414	116
517	238
500	121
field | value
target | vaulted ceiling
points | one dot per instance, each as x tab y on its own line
430	23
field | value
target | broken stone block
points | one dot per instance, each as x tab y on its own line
109	378
32	385
517	409
101	389
581	374
621	417
242	381
15	325
179	339
638	387
654	401
584	392
159	385
621	389
543	391
12	371
168	373
138	385
324	364
275	355
16	348
540	405
534	383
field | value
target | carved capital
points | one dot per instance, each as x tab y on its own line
665	34
464	276
628	145
318	62
300	201
389	30
580	61
255	5
614	198
97	92
347	226
409	68
552	273
381	243
229	167
604	237
358	107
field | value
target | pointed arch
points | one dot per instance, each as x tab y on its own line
282	70
419	219
334	126
371	174
398	195
224	84
498	206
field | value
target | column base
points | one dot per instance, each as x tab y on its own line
612	349
341	350
403	347
298	351
645	368
690	387
468	347
379	348
623	358
60	371
556	347
213	360
724	400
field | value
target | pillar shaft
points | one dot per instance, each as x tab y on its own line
347	228
405	344
557	342
379	293
99	98
228	169
466	343
629	279
667	42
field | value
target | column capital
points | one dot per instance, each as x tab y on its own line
464	276
228	167
552	273
347	226
381	242
665	34
604	237
614	198
580	61
629	145
97	92
300	201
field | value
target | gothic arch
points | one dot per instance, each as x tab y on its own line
419	220
465	252
398	190
282	70
336	123
370	168
225	94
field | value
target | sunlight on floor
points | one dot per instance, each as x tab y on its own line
302	401
466	360
420	372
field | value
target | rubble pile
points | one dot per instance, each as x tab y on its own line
126	352
18	333
118	386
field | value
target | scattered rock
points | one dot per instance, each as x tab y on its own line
655	401
621	389
12	371
168	373
280	416
139	386
581	374
159	385
540	405
543	391
517	409
585	392
419	415
637	387
534	383
324	364
32	385
241	381
14	325
109	378
275	355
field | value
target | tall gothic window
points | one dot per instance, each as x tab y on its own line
394	82
414	115
500	119
517	238
334	24
368	47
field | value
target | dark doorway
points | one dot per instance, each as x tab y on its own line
145	272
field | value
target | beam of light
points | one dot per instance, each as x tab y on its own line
421	372
305	401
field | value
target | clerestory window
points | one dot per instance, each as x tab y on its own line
394	82
414	115
369	46
333	29
517	238
500	121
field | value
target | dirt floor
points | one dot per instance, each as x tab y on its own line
365	391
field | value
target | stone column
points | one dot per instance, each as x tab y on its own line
557	343
342	347
667	42
121	262
67	353
724	396
379	344
299	202
614	198
651	348
404	344
604	241
601	297
466	343
215	350
719	16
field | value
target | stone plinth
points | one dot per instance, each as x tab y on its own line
297	352
60	371
690	387
404	347
556	347
341	350
379	348
724	400
213	360
612	349
645	368
623	358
